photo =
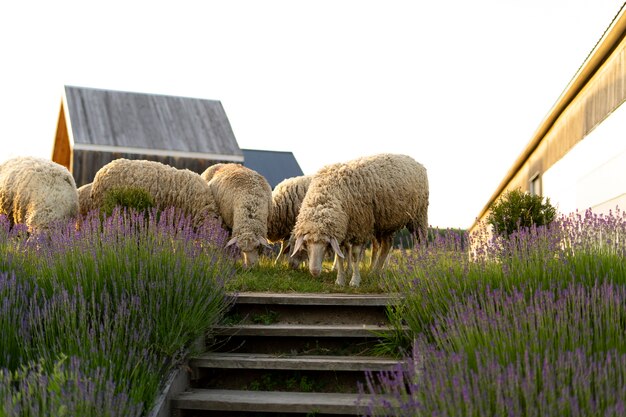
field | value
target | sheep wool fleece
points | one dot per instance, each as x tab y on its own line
168	186
37	192
244	199
365	197
287	198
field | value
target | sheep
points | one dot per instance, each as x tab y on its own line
85	203
351	203
168	186
208	173
37	192
244	202
286	199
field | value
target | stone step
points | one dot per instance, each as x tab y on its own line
269	401
291	362
299	330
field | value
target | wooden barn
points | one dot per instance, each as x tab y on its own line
577	156
97	126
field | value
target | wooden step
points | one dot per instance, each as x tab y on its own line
269	402
374	300
292	362
299	330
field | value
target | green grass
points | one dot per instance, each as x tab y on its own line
269	277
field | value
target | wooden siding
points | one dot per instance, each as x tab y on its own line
600	92
61	153
148	121
86	163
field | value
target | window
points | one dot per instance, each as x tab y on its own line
535	185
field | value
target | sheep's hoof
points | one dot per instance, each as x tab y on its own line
340	282
355	283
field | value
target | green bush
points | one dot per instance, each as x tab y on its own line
517	210
127	197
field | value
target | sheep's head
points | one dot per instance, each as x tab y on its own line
249	245
316	248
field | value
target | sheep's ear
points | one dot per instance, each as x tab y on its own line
298	246
232	241
335	245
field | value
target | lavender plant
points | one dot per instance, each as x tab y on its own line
127	297
584	248
437	383
530	325
66	390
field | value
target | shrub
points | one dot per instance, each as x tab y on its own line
516	210
124	299
127	197
526	325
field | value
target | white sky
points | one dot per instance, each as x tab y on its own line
461	86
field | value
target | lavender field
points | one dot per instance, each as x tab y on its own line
532	325
92	320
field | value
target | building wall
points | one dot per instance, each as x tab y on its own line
572	184
593	174
85	164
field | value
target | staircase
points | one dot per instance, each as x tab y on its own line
288	354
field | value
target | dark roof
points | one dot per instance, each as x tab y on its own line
117	121
275	166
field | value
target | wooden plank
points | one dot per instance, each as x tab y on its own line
292	362
177	382
301	330
316	299
269	402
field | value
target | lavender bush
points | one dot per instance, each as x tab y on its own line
532	325
125	297
584	248
437	383
67	390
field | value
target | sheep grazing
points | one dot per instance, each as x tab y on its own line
351	203
85	204
287	197
37	192
169	187
244	202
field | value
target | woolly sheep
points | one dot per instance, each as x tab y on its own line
85	204
37	192
208	173
168	186
244	202
351	203
287	197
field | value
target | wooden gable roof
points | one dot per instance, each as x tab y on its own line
147	124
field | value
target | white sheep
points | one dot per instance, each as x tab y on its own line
287	197
168	186
351	203
37	192
244	202
85	203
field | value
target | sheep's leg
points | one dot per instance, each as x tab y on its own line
383	252
355	257
375	251
281	252
341	273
